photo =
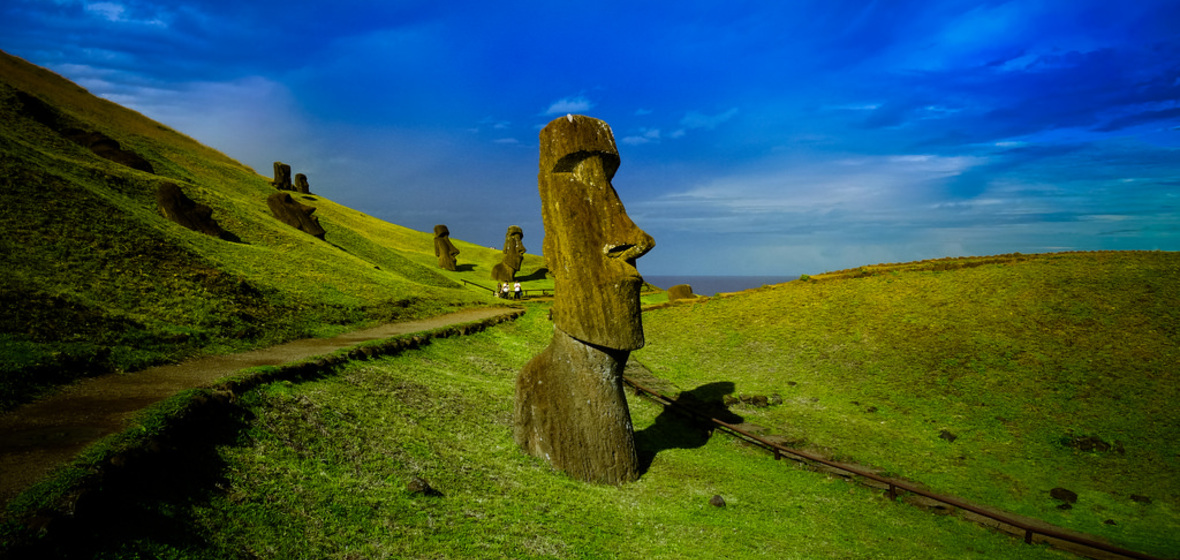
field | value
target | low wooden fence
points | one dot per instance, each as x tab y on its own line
894	486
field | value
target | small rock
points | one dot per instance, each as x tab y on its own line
1140	499
419	486
1064	507
776	399
1110	522
1064	495
871	409
717	501
947	435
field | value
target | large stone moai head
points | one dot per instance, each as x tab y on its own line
514	248
282	179
291	212
443	248
301	184
590	243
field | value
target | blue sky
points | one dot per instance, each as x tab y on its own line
757	138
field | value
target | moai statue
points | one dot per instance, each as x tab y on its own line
443	248
291	212
301	184
570	406
506	270
282	179
179	208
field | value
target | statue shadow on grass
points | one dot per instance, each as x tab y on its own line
464	267
678	429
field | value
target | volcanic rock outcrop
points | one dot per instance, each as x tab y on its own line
570	406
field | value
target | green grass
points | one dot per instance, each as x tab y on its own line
320	471
1017	357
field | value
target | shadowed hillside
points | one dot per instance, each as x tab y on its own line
97	279
997	379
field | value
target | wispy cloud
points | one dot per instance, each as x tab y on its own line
576	104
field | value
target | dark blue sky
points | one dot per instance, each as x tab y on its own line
756	137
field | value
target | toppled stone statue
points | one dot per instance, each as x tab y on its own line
570	406
443	248
680	291
301	184
506	270
98	143
291	212
282	179
179	208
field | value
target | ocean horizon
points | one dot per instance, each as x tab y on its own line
704	285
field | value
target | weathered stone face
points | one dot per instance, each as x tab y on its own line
514	247
443	248
294	214
301	184
282	180
590	243
179	208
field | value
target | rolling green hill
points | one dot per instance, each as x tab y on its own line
996	379
97	280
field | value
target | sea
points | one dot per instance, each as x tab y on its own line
712	285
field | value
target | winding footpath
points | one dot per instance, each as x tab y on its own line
38	436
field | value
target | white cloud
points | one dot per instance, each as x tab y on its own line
645	136
576	104
117	13
694	119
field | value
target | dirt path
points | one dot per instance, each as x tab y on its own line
39	436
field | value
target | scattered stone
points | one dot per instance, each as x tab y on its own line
1064	506
948	436
776	399
757	401
1110	522
1140	499
179	208
421	487
1064	495
282	180
680	291
791	383
294	214
717	501
443	248
871	409
1088	443
301	184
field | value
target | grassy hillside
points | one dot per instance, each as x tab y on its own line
996	379
97	280
320	469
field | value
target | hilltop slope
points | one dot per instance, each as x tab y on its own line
996	379
97	279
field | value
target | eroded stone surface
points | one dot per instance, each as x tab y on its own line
282	180
680	291
291	212
506	269
443	248
179	208
570	406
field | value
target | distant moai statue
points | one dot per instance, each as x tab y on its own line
301	184
282	180
291	212
443	248
570	405
680	291
514	250
179	208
